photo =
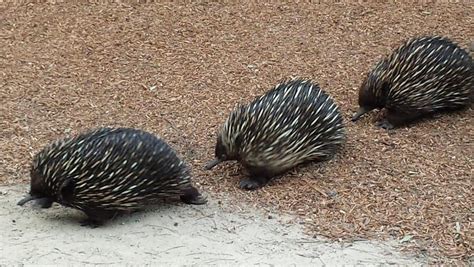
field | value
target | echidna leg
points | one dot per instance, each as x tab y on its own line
92	223
397	118
253	182
45	202
96	218
192	196
259	176
384	124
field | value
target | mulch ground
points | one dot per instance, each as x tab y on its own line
177	70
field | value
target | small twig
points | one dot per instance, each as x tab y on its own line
210	216
317	189
143	85
214	260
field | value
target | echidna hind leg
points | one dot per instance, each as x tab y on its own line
192	196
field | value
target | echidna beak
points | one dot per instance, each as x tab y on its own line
359	113
26	199
211	164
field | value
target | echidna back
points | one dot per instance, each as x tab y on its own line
428	74
294	122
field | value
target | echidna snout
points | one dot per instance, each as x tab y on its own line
361	111
43	202
213	163
26	199
38	193
221	155
368	101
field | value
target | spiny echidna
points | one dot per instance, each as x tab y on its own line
293	123
108	171
424	75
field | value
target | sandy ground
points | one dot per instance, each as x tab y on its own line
173	235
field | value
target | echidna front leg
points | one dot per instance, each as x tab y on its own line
92	223
253	182
192	196
259	176
394	118
44	203
97	217
384	124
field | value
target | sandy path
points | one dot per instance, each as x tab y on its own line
172	235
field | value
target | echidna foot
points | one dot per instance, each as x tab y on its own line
198	200
249	184
44	203
91	223
384	124
192	196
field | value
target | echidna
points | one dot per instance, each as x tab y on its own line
424	75
108	171
293	123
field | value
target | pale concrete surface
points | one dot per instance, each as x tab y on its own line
173	235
